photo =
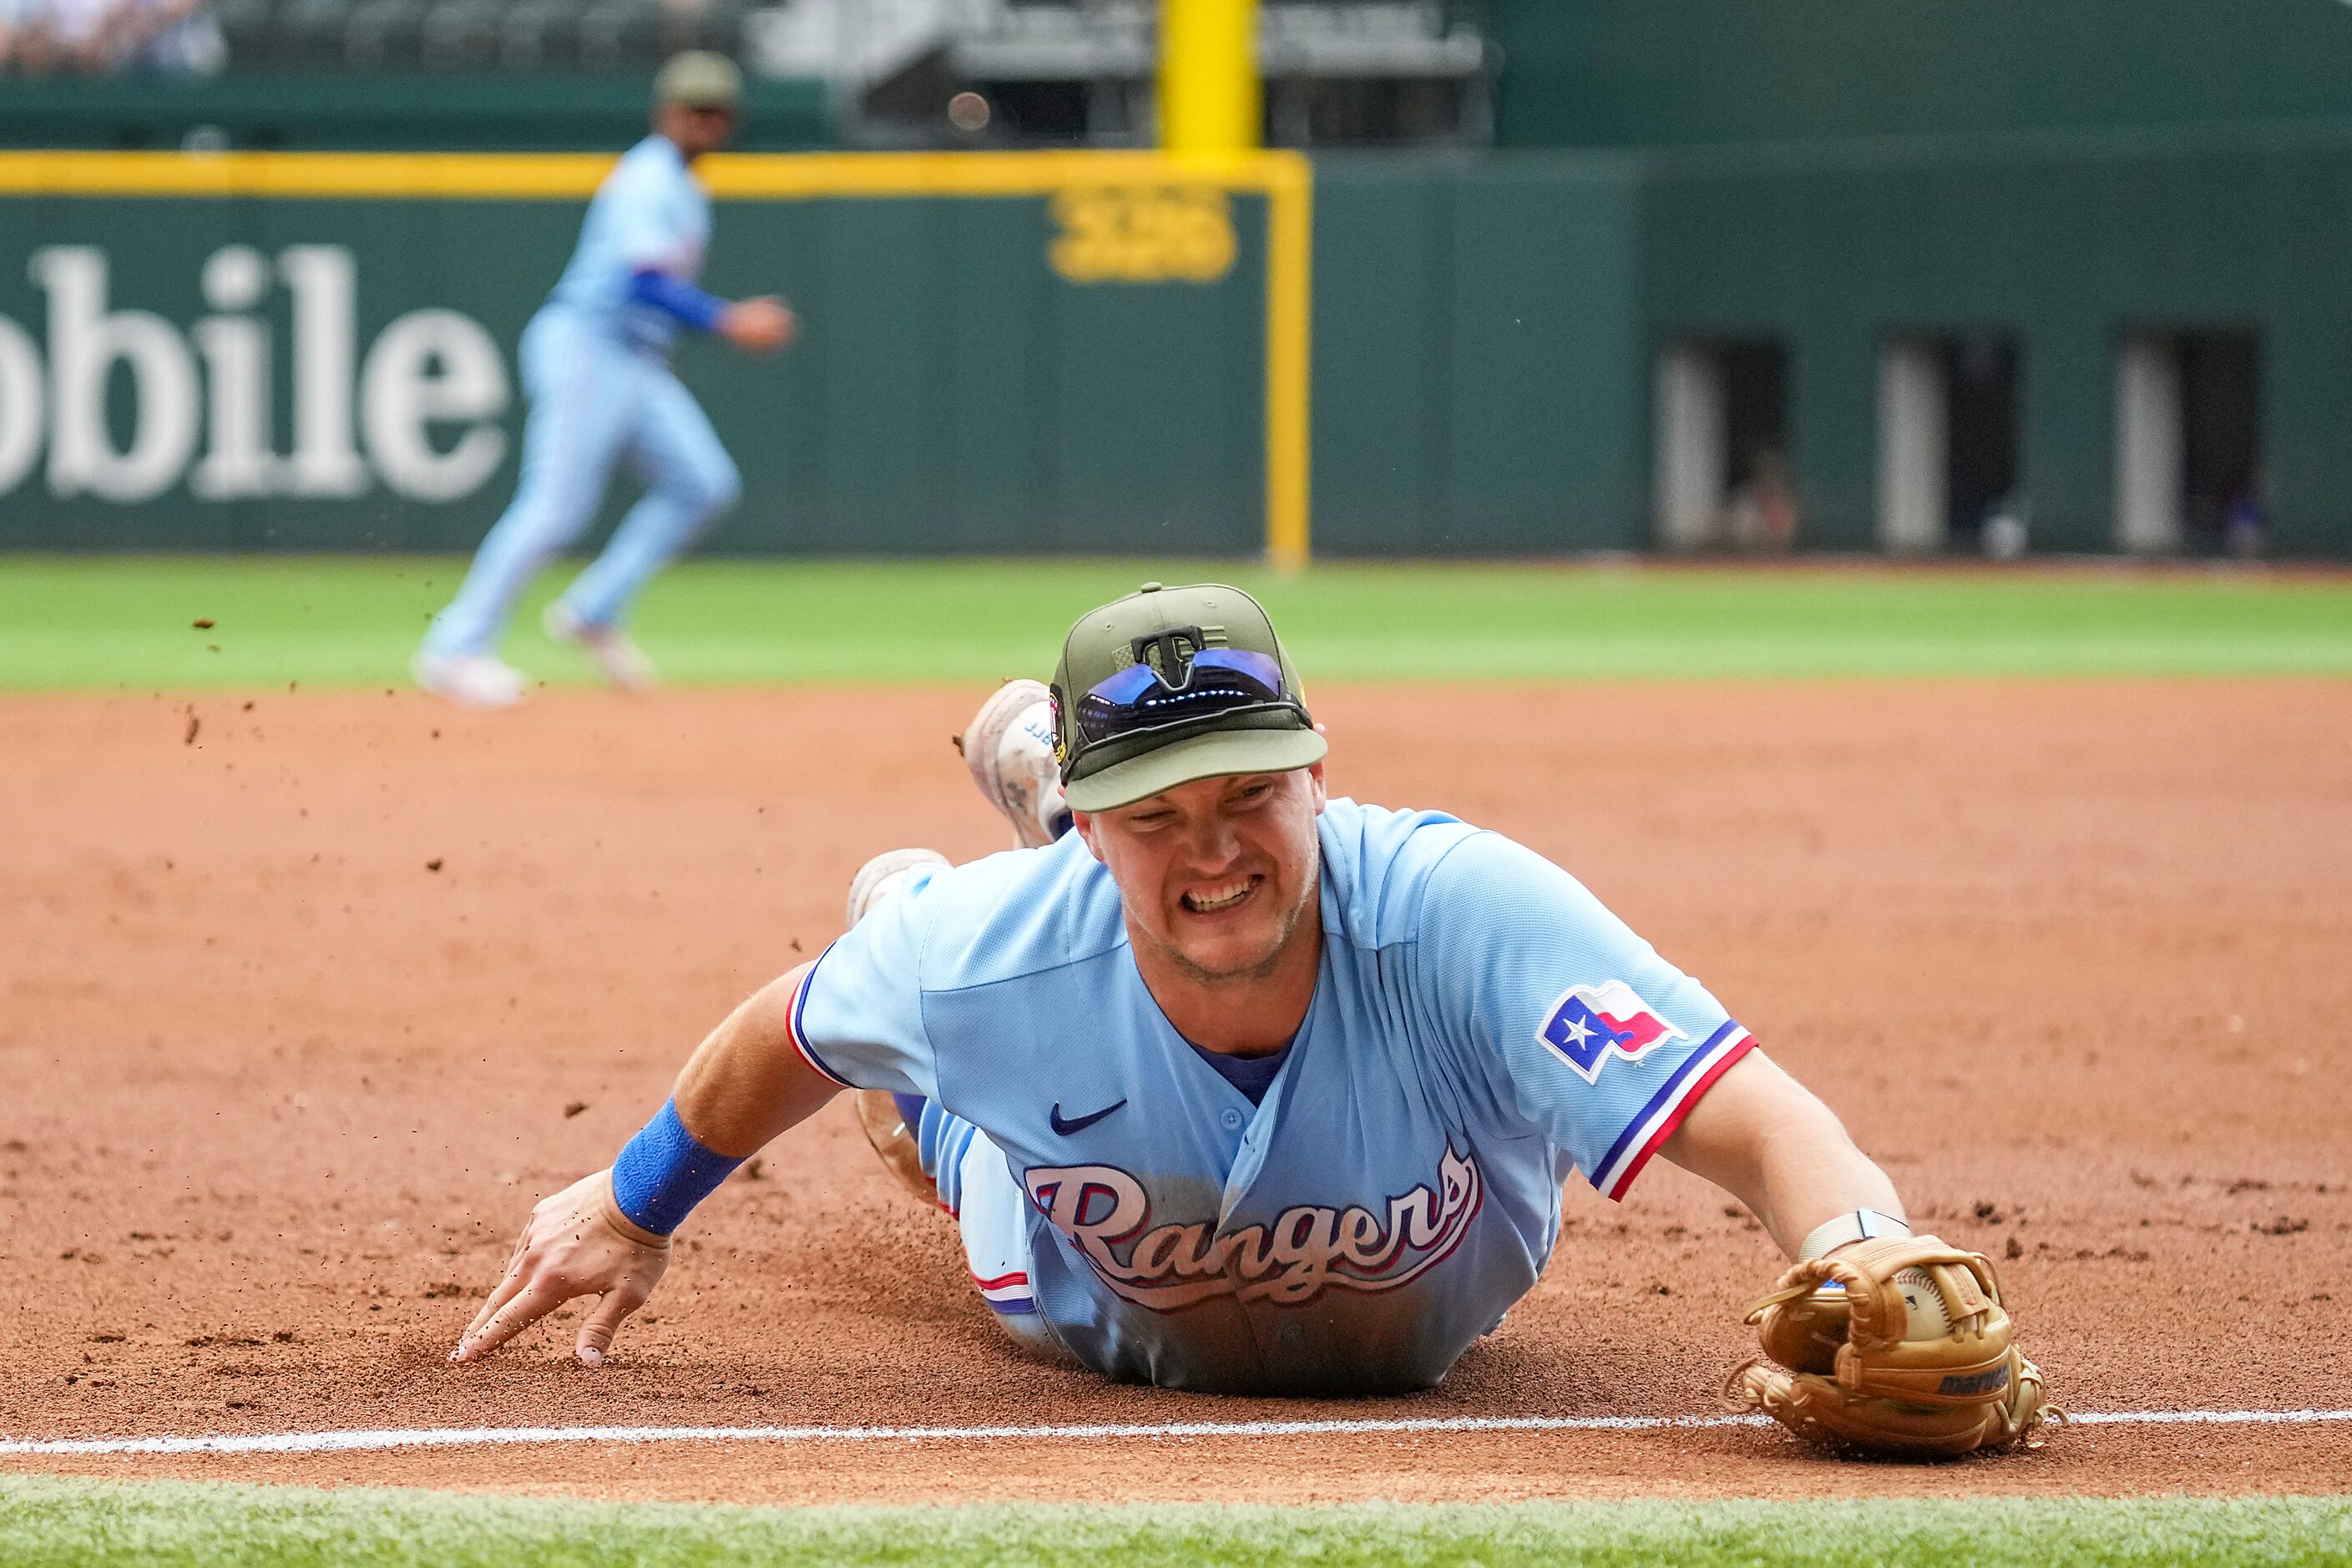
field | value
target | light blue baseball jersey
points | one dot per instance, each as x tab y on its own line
650	213
1481	1028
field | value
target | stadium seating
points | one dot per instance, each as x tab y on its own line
448	36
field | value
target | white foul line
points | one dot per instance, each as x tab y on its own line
476	1436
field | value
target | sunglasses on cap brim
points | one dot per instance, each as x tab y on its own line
1215	683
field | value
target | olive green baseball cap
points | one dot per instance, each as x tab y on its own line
699	79
1188	723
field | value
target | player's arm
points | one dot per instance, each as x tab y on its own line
608	1235
644	213
748	1081
759	325
1763	1137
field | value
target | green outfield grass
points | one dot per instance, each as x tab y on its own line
44	1522
79	624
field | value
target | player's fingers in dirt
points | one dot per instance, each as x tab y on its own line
528	1305
511	1282
595	1342
571	1247
532	1272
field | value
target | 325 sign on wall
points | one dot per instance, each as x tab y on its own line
1148	235
418	412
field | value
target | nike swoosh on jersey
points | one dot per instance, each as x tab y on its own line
1079	1123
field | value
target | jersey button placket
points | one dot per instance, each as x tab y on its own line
1230	1119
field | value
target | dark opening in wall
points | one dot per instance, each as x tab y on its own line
1720	428
2188	459
1723	475
1980	379
1754	410
1759	503
2221	445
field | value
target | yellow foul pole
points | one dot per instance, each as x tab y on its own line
1208	75
1210	102
1289	333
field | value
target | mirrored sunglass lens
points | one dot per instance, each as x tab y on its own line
1256	666
1124	687
1217	680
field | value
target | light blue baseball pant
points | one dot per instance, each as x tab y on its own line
976	1184
592	401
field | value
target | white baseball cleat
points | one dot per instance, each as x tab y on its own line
1009	747
625	663
885	875
478	680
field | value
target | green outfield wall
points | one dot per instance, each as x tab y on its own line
1669	73
307	373
1478	357
2065	242
268	373
1485	333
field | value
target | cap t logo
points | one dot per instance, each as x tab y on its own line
1170	654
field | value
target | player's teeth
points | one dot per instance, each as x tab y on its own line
1204	903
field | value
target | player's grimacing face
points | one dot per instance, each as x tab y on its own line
1215	873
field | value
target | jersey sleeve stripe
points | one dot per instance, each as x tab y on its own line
796	1029
1666	1092
1657	1120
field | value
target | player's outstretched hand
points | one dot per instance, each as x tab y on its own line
760	326
578	1243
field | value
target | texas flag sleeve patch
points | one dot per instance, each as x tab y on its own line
1591	1025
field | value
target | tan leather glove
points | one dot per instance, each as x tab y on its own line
1913	1357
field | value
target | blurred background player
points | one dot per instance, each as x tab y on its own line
595	362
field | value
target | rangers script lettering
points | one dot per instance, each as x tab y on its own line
1307	1249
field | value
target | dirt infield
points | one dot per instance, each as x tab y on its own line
302	1004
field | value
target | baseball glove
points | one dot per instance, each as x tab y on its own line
1897	1346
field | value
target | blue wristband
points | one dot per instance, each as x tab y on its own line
664	1172
677	298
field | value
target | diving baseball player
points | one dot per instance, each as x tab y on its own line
1236	1087
595	360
